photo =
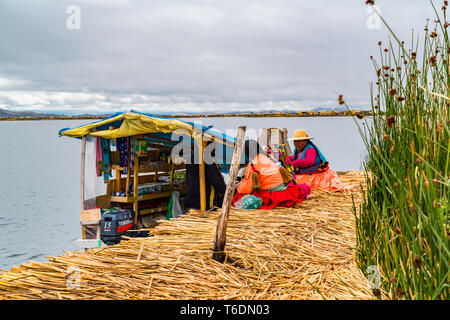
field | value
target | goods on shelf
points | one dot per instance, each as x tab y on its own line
153	187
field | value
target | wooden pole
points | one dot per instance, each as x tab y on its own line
221	231
269	137
201	170
83	165
285	140
136	188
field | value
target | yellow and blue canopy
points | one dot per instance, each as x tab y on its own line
160	129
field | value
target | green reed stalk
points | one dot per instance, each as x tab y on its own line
403	224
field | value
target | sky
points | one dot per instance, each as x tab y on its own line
191	56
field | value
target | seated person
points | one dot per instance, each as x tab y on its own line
267	169
310	166
264	179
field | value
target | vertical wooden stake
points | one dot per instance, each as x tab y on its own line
83	165
201	170
136	187
118	184
221	231
284	139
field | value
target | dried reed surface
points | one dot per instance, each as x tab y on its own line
286	254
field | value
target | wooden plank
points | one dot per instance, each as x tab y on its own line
153	210
262	137
92	216
164	168
285	141
154	196
143	197
128	199
221	231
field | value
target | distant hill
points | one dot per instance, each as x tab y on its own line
24	115
13	114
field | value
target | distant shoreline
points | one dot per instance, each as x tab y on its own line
222	115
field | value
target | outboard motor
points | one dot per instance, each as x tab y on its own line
114	224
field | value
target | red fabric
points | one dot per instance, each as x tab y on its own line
287	198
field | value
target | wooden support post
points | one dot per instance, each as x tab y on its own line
262	139
127	183
284	139
171	174
118	184
83	165
269	137
201	170
136	188
221	231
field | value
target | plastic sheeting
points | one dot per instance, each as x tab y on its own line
93	185
128	124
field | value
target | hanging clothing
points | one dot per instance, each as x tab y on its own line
106	160
98	155
122	148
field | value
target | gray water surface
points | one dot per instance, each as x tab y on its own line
40	177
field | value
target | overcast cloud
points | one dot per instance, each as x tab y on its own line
191	56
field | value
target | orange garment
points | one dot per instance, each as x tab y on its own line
327	180
269	174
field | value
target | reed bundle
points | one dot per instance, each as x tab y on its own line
286	253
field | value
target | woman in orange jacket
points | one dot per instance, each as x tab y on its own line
263	179
265	167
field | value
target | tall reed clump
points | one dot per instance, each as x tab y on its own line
403	222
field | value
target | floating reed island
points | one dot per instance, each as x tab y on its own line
286	253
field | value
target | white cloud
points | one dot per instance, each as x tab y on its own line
193	55
8	83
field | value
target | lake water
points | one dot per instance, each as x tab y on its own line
40	177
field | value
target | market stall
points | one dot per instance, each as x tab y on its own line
132	163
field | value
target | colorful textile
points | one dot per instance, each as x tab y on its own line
278	153
327	180
106	160
248	201
292	196
280	187
98	155
122	148
131	148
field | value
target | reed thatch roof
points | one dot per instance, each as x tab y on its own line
305	253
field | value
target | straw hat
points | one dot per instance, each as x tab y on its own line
300	134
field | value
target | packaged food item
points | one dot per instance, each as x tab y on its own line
140	147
